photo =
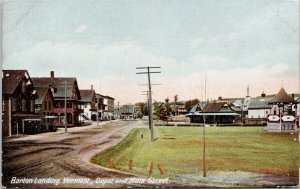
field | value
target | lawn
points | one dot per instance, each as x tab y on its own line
179	151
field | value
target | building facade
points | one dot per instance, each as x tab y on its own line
67	93
259	108
89	102
282	117
109	108
18	102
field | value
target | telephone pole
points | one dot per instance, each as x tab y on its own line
66	130
203	158
148	104
148	72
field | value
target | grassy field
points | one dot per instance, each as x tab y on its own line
179	151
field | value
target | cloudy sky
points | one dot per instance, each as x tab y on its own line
234	43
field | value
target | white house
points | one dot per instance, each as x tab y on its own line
259	107
88	101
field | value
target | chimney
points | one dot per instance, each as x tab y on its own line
52	75
293	96
92	87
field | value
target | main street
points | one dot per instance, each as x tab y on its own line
60	155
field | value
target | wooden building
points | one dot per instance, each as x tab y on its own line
259	108
44	105
89	102
18	102
127	112
67	89
109	108
282	117
213	113
101	107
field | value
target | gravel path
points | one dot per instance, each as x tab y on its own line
59	155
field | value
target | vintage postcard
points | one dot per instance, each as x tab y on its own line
150	93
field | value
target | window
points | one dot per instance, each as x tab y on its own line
23	105
31	105
45	105
23	86
49	105
14	104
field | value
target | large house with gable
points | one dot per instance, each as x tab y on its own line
18	102
66	90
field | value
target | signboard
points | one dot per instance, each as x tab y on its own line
288	118
273	118
274	126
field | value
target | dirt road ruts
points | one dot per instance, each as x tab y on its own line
59	155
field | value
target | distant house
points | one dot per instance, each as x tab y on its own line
179	107
282	117
109	108
67	89
44	105
127	112
18	102
89	102
259	107
213	113
101	107
194	113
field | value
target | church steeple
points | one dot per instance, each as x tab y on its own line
248	91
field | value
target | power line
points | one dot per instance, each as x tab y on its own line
148	72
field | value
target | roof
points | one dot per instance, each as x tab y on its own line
100	96
281	97
177	103
87	95
229	99
127	109
210	114
197	107
11	80
259	102
59	84
109	97
42	92
214	106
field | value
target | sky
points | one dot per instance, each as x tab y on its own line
233	43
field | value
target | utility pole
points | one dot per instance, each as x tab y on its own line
97	97
148	103
150	96
118	109
203	158
66	130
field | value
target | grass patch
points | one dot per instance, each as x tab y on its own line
179	151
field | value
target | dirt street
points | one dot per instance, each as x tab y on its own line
58	155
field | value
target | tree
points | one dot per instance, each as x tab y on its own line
155	109
175	104
168	109
190	103
143	108
167	101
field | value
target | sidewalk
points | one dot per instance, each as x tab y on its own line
60	131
